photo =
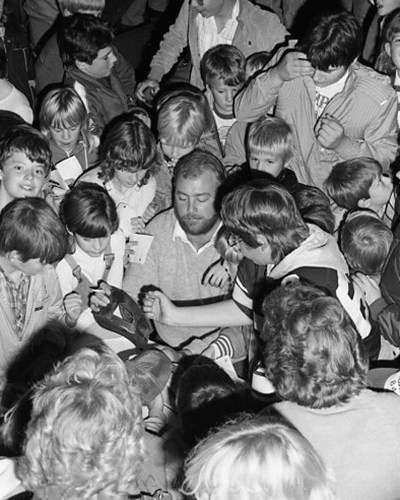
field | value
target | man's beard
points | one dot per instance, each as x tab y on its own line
196	225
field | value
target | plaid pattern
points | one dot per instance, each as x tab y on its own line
17	297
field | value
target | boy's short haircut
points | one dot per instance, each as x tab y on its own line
225	62
314	207
181	121
333	40
195	163
81	37
88	6
271	134
350	181
263	208
365	242
25	139
32	228
89	211
256	62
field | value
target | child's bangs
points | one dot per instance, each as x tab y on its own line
95	227
69	118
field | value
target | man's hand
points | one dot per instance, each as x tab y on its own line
293	65
147	87
329	132
157	306
73	307
369	287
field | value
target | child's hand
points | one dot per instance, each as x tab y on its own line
368	286
157	306
216	276
137	225
100	297
293	64
73	307
150	212
329	132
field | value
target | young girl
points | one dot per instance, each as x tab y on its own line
96	251
388	61
63	120
129	159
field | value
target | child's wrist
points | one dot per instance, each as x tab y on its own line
70	322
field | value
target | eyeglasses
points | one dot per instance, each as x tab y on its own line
233	240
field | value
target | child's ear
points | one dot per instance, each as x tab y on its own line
364	203
14	256
262	241
388	49
81	65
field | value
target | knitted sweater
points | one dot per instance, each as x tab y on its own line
174	266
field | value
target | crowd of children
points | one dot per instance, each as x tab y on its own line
306	137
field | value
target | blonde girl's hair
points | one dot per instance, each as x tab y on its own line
254	460
61	108
181	121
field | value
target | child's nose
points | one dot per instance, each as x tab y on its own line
66	134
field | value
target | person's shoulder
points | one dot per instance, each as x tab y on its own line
372	85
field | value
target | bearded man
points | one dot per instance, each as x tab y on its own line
182	249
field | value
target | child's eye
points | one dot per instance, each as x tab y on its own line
39	171
18	168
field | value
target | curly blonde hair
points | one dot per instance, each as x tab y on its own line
84	439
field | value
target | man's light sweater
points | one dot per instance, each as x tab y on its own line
173	266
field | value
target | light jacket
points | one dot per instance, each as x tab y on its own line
257	30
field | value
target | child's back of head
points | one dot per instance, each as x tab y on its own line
349	182
256	62
31	228
89	211
314	207
365	242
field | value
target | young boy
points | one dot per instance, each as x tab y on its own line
49	67
25	162
32	240
338	108
223	72
365	243
86	48
360	183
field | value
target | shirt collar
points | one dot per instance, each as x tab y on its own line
180	233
